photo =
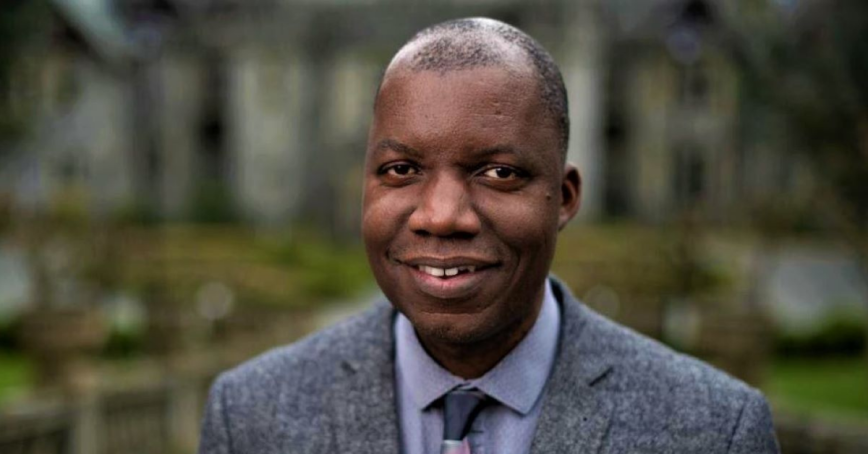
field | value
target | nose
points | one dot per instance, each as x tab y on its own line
445	209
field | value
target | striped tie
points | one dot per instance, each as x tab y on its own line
460	409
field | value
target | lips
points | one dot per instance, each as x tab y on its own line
447	272
448	278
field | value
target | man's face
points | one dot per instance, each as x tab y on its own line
464	194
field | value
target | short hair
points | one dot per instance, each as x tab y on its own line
466	44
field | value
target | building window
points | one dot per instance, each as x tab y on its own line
694	86
690	176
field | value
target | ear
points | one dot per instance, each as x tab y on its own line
571	195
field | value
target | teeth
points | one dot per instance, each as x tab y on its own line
438	272
449	272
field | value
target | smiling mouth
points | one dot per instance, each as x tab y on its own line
446	273
448	278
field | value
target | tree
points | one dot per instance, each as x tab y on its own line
22	24
810	65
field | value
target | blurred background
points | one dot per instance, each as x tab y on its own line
180	190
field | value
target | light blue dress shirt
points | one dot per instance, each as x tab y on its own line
516	383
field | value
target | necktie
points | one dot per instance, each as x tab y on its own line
461	407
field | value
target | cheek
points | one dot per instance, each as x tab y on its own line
522	222
383	215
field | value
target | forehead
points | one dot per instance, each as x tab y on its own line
463	108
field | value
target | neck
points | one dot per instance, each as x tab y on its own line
473	360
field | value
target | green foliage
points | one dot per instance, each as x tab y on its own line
636	260
21	24
324	268
811	71
262	268
124	343
136	213
830	387
6	214
839	335
17	375
212	204
9	333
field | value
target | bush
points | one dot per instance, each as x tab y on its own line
124	343
137	212
317	262
838	335
212	204
9	333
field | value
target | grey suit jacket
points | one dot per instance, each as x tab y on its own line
611	391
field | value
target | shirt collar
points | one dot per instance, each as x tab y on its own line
517	381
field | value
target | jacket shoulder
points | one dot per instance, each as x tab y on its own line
644	362
664	391
284	397
312	359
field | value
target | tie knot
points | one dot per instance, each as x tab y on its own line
461	407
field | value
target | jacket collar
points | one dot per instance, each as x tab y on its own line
575	413
363	397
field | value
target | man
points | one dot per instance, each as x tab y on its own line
466	188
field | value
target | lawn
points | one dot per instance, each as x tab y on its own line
273	268
836	387
16	373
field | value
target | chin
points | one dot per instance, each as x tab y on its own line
452	329
448	334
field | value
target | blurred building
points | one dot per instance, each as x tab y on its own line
682	133
258	110
72	82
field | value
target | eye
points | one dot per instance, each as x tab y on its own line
501	173
398	173
401	170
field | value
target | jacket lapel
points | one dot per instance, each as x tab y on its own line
576	413
363	399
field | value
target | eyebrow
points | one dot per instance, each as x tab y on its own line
394	145
499	149
391	144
